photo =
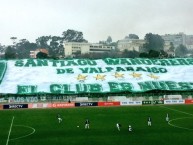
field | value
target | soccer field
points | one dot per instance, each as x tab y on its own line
41	127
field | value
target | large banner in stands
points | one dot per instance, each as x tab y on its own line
123	103
75	76
174	101
26	99
108	103
189	101
15	106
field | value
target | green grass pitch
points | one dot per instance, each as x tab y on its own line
102	130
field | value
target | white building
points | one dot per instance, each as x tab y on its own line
72	48
177	39
189	42
130	44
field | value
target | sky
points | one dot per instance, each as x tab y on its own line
97	19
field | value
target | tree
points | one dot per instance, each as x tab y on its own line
130	54
153	54
114	53
14	40
41	55
2	51
132	36
163	54
73	36
171	48
2	48
54	44
102	42
24	47
181	51
153	42
43	41
143	55
109	40
56	47
10	53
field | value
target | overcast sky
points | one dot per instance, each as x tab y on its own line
97	19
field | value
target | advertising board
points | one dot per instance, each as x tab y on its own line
123	103
189	101
174	101
15	106
86	104
108	103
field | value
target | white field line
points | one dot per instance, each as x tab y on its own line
10	131
33	131
179	126
177	110
178	118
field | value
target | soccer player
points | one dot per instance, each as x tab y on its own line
130	128
118	125
149	121
59	118
87	122
167	117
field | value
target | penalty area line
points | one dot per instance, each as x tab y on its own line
176	126
33	131
177	110
10	131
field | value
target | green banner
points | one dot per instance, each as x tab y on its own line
3	67
77	76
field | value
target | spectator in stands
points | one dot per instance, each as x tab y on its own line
59	118
87	123
118	125
149	121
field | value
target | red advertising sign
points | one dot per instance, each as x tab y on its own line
189	101
108	103
62	105
1	107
